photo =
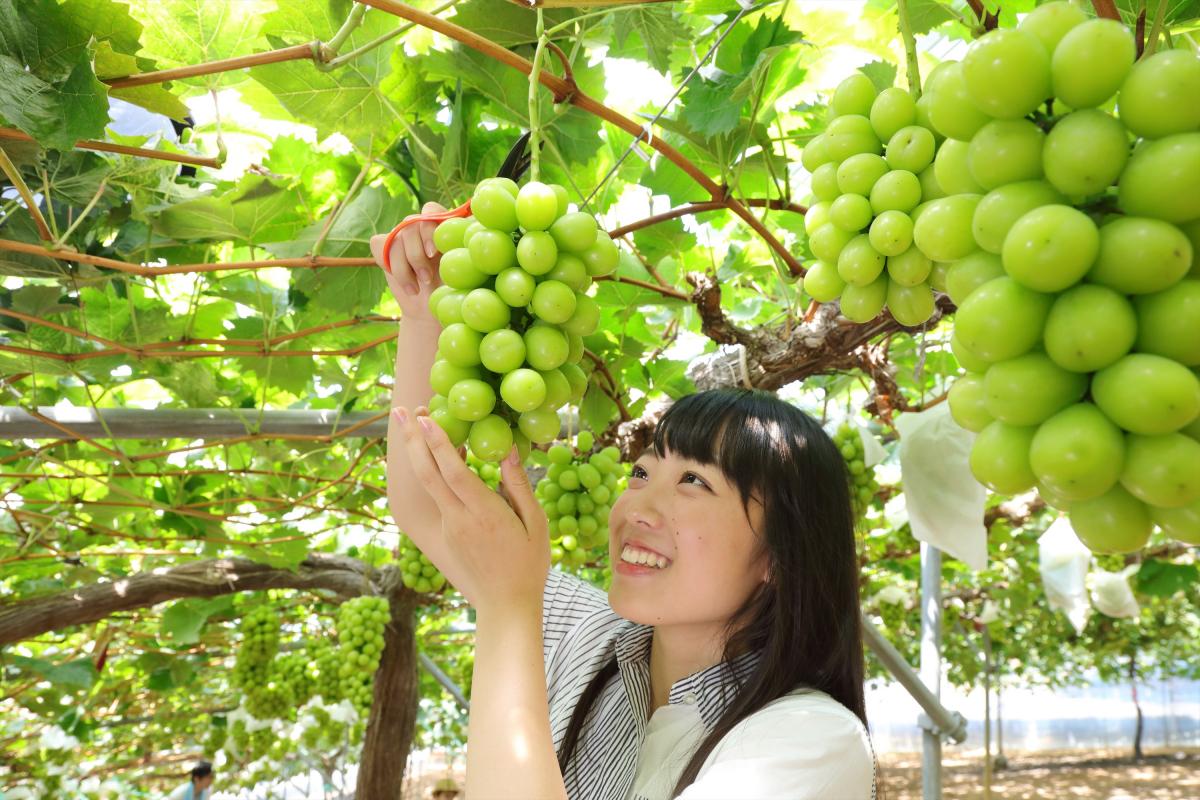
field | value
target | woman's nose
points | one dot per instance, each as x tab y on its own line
642	509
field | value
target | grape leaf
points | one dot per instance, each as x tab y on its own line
881	73
656	26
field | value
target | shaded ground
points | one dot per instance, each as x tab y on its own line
1172	774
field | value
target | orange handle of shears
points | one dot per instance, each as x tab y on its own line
462	211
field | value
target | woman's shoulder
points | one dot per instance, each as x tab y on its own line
806	718
804	745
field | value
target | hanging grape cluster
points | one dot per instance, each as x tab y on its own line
360	625
873	176
577	494
253	669
1073	234
416	571
863	485
514	309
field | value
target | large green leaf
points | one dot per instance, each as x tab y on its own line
187	32
153	97
656	27
351	99
258	212
348	290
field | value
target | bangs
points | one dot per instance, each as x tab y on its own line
740	432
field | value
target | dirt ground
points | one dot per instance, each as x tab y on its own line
1070	775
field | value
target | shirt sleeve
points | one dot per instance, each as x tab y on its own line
790	750
566	601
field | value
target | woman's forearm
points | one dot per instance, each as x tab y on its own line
411	506
510	749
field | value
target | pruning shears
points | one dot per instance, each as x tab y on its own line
514	166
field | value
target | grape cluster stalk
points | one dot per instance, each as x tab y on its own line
1071	227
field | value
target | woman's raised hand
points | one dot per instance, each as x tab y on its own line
501	548
414	262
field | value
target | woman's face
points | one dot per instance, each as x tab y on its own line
690	514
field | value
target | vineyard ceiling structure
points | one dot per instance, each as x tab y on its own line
197	350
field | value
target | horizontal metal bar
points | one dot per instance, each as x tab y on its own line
180	423
945	722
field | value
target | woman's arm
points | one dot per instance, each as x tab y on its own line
413	277
510	747
504	555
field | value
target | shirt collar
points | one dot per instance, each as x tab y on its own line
711	690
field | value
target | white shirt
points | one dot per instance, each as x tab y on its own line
802	746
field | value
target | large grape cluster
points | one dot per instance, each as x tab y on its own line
1073	237
360	624
863	485
873	175
577	494
416	571
260	643
514	310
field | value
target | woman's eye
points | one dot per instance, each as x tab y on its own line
637	472
691	476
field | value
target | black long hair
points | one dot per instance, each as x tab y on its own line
805	617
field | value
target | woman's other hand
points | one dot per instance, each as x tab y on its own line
501	547
414	262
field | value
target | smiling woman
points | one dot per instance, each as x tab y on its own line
732	618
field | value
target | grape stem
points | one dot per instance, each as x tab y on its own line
1155	29
535	122
1106	9
910	49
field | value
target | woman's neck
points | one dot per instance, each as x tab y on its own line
677	651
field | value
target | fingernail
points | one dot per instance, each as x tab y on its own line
430	250
426	424
424	276
401	415
514	457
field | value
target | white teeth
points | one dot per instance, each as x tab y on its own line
643	558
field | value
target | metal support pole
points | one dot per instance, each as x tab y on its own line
445	681
946	722
931	667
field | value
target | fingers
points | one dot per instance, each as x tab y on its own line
515	482
401	273
414	250
466	485
427	229
424	466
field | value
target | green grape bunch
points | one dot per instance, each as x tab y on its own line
416	571
1072	230
863	485
514	309
873	176
260	643
577	494
360	625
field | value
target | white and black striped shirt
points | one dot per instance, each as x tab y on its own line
801	746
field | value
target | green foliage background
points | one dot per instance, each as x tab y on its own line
409	119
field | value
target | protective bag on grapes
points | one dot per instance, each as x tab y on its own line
1111	594
944	501
1063	561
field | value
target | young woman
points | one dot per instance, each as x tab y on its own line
726	660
